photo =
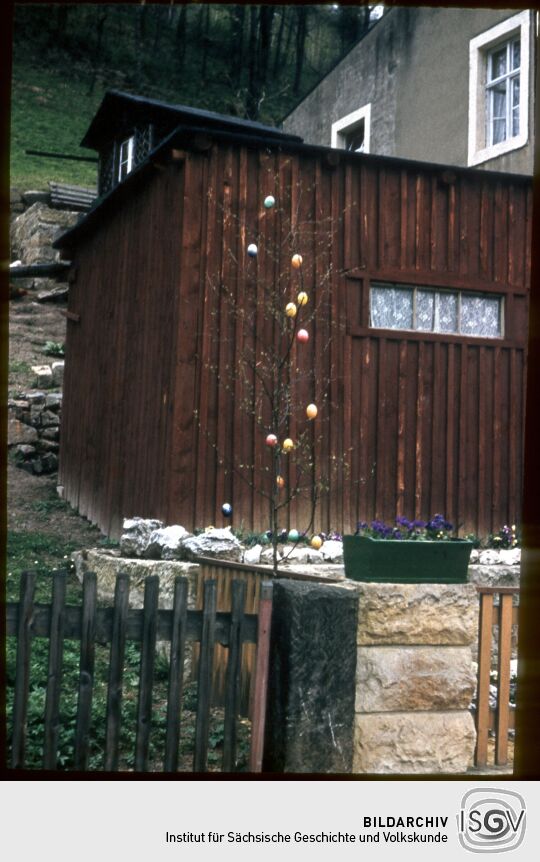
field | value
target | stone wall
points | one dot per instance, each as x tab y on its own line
414	678
34	430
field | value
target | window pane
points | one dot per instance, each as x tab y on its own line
497	67
516	54
425	310
391	307
480	315
447	316
515	92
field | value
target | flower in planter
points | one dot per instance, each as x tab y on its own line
436	529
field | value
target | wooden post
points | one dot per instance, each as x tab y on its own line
86	670
116	672
204	686
22	667
261	678
503	679
54	679
233	679
484	661
146	673
176	673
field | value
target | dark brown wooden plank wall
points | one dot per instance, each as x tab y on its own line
425	423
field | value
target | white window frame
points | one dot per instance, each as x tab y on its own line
479	48
348	124
128	162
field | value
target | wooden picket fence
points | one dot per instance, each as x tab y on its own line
115	625
500	719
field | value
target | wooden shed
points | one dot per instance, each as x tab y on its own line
425	320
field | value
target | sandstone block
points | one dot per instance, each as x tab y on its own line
497	575
18	432
407	614
403	679
404	743
107	566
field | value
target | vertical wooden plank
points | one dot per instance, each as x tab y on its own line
463	513
22	667
146	673
176	673
503	678
484	664
258	717
116	672
484	523
233	678
86	671
401	435
204	683
54	680
451	401
419	449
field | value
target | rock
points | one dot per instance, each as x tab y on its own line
49	462
35	415
332	551
136	535
253	555
406	614
107	567
414	743
58	372
510	556
18	432
49	419
403	679
35	397
475	553
301	555
166	543
43	375
489	557
57	294
494	575
53	400
267	556
51	433
33	232
219	543
37	466
48	445
24	450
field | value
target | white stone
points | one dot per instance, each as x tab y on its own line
43	375
301	555
332	551
136	534
214	542
58	372
165	543
267	556
253	555
489	557
510	556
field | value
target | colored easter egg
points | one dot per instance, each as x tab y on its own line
287	445
316	542
296	261
271	440
290	309
302	335
252	250
293	535
283	536
269	202
280	481
227	510
302	298
311	411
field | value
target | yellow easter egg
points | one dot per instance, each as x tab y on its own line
302	298
316	542
287	445
290	309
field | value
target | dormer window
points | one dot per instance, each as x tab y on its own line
125	158
353	131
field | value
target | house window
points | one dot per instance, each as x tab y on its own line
353	131
423	309
499	89
125	158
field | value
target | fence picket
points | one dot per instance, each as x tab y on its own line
503	678
204	686
233	677
176	673
258	717
116	671
146	678
54	678
482	702
86	670
22	667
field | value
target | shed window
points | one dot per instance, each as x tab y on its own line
396	306
125	158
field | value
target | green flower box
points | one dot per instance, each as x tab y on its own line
406	561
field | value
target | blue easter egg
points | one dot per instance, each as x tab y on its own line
252	250
227	510
269	202
293	535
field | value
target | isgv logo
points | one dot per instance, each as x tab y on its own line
491	820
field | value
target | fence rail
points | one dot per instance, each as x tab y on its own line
116	626
501	616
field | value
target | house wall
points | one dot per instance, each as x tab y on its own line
158	422
413	67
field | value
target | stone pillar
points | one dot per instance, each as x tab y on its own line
312	678
414	678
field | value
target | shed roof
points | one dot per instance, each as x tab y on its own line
119	109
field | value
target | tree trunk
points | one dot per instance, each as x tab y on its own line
279	42
302	13
236	50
